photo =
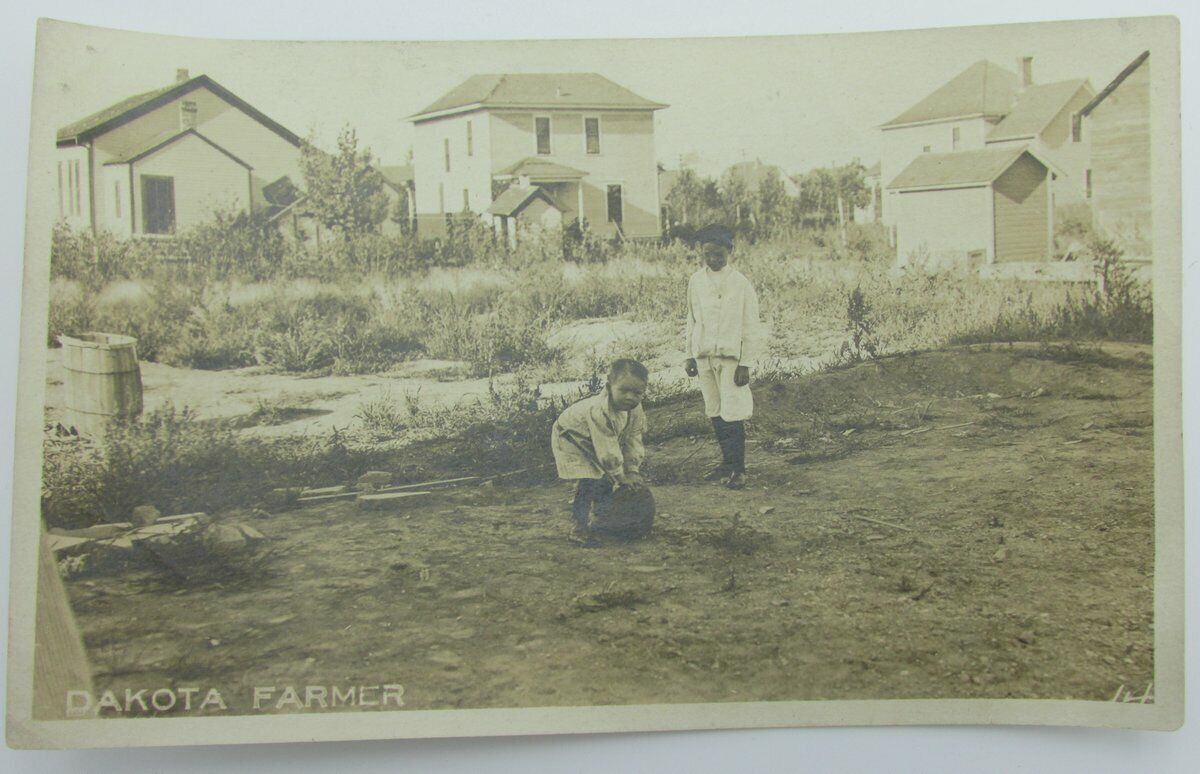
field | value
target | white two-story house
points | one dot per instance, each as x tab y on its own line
987	107
545	149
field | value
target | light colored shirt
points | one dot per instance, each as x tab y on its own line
613	437
722	317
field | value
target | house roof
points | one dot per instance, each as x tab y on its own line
514	199
753	173
537	90
162	140
1115	82
127	110
960	169
540	169
984	88
1036	107
397	176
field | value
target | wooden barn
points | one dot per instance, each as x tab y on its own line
971	208
1117	122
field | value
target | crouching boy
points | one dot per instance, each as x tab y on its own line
598	442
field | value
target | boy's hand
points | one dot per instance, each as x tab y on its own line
741	377
690	368
635	480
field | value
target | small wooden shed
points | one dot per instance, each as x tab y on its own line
970	208
521	209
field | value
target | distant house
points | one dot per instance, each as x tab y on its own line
287	212
870	213
162	161
584	141
1116	123
973	207
986	105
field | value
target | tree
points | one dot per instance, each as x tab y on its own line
344	190
829	194
772	200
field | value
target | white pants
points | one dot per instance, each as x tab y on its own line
723	398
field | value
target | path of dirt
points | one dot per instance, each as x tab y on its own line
967	523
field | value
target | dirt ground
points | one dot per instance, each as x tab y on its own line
965	523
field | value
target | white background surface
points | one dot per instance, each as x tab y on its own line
886	749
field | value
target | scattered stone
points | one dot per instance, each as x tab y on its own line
1026	637
375	478
184	518
145	515
325	491
96	531
379	502
763	511
1000	555
472	593
224	538
281	619
67	545
1039	392
251	533
284	496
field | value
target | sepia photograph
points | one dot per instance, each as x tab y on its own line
611	384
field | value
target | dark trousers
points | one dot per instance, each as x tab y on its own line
731	436
591	495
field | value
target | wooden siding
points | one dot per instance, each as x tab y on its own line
205	179
1121	188
1022	217
941	228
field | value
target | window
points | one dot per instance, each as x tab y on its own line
446	152
470	140
466	200
614	204
955	138
158	204
591	134
70	197
442	198
1076	127
1087	184
541	127
77	196
927	148
117	198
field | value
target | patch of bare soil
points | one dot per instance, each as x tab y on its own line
956	524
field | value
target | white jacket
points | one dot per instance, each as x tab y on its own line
722	318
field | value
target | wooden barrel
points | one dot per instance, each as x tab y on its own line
103	380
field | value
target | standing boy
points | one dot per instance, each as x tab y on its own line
723	337
598	442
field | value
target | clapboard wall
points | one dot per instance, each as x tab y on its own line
1119	126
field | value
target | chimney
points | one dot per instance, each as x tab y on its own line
181	75
187	115
1026	72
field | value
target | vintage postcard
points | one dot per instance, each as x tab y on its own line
408	389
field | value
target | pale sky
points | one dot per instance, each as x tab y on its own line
798	102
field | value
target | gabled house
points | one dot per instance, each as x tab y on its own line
986	105
975	207
584	141
1116	126
159	162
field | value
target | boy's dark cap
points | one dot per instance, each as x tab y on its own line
715	233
